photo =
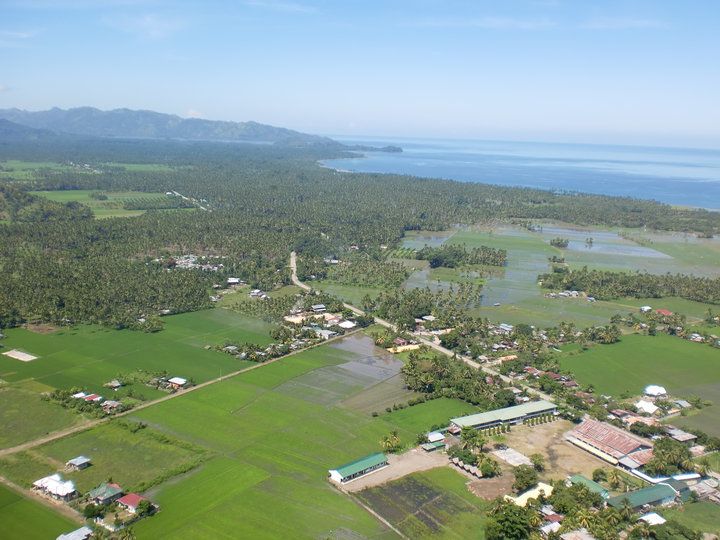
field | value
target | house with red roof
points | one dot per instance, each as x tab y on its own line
664	312
131	501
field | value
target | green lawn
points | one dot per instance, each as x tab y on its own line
685	369
25	416
430	504
349	293
25	518
420	418
702	516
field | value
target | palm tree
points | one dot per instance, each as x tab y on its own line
614	478
626	511
703	466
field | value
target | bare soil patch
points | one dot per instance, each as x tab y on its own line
41	328
492	488
562	459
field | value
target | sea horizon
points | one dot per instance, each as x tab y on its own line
680	176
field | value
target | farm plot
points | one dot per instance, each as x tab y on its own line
90	356
434	503
437	412
113	204
286	441
685	369
24	518
24	416
137	459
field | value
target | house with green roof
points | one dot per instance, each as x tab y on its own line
591	485
359	467
105	493
509	415
655	495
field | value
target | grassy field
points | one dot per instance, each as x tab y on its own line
24	518
422	417
685	369
430	504
112	207
12	169
703	516
134	460
89	356
25	416
349	293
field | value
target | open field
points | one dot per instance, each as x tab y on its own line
420	418
278	437
562	459
112	207
381	395
25	416
434	503
703	516
685	369
12	169
349	293
24	518
135	460
89	356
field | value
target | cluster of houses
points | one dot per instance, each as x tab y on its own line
194	262
109	406
125	504
564	380
569	294
319	321
169	384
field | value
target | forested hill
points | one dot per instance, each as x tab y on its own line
131	124
10	131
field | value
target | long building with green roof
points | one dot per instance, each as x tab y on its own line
359	467
658	494
509	415
591	485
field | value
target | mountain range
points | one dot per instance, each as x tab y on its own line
127	123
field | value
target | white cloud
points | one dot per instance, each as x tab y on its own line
622	23
277	5
150	25
4	88
487	23
14	38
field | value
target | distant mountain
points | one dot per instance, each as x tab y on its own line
10	131
126	123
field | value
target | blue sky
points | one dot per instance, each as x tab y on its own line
631	71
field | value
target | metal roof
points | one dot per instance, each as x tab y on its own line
590	484
361	464
506	414
649	495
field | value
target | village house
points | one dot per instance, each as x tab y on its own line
114	384
56	487
177	383
131	501
591	485
83	533
77	464
111	406
655	391
680	436
105	493
318	308
660	494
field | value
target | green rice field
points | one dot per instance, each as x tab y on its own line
703	516
685	369
24	518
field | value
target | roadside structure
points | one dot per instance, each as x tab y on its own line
507	416
360	467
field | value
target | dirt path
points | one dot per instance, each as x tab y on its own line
435	346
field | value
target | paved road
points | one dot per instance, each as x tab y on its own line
439	348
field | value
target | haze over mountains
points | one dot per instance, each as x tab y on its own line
126	123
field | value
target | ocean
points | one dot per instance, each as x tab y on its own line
678	176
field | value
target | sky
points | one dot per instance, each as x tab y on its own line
608	71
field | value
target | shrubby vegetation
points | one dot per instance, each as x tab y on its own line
454	255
